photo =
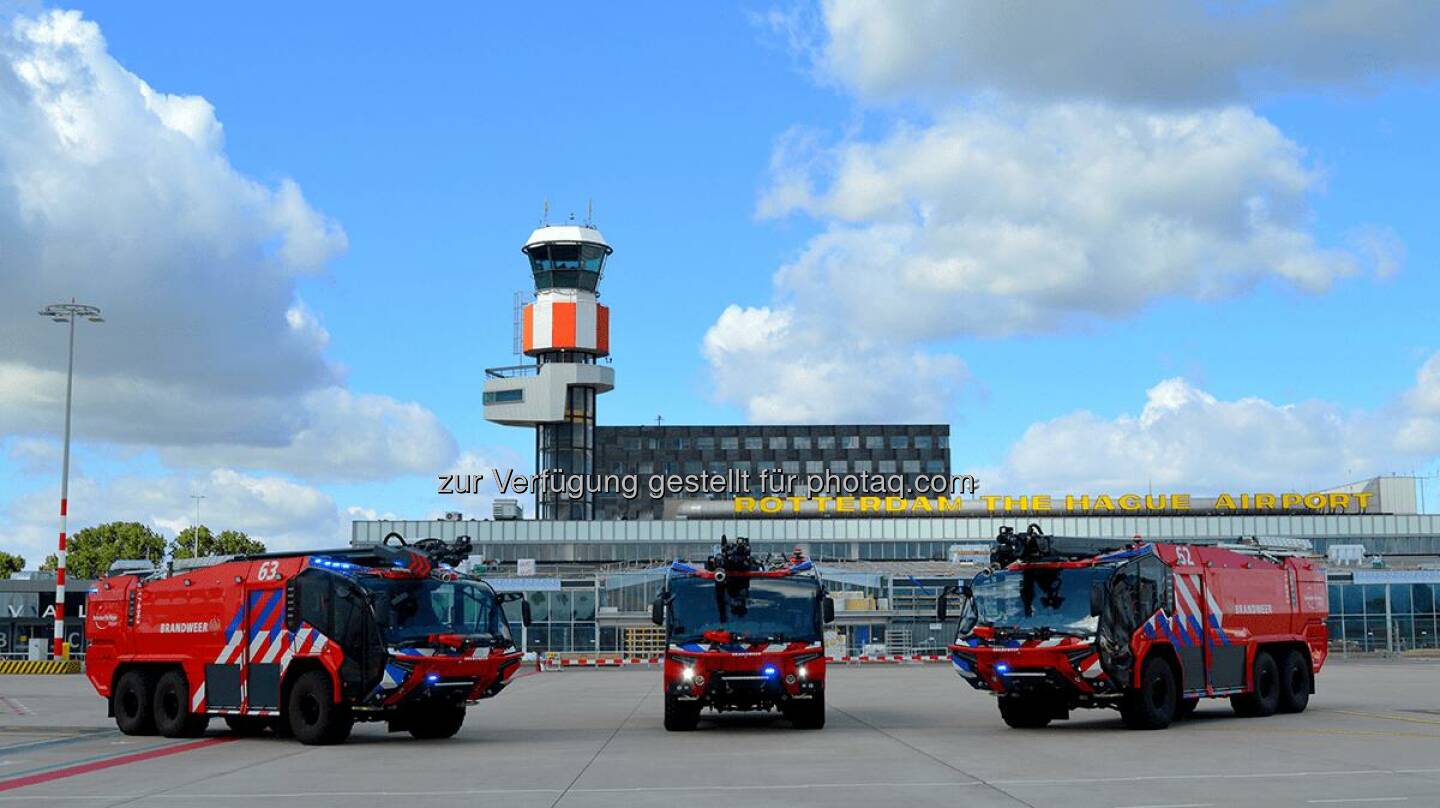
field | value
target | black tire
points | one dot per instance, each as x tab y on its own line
1264	700
315	719
807	714
681	716
1186	708
134	703
1294	682
1019	712
1156	702
437	721
248	725
173	718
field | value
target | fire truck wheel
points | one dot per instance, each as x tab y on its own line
681	716
808	714
436	721
1265	699
1294	682
315	718
1024	713
247	725
134	699
1154	704
173	718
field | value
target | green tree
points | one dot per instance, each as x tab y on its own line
229	542
92	550
10	564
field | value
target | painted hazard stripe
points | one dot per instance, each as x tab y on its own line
108	763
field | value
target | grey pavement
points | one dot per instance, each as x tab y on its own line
911	735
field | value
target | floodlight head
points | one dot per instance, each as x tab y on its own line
65	312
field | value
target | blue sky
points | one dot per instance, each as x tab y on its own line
722	147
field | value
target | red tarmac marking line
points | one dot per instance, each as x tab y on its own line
98	765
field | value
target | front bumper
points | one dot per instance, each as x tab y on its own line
1071	669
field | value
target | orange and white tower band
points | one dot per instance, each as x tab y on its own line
566	319
566	330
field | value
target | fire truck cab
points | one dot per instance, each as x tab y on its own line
744	634
301	643
1057	624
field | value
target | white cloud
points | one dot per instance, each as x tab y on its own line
340	435
284	514
1013	220
994	222
1121	50
122	196
1187	438
783	368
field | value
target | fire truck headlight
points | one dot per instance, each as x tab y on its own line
802	673
688	674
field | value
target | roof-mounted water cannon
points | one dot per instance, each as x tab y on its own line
437	551
1036	545
731	557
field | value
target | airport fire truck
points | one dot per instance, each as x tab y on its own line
744	633
302	643
1057	624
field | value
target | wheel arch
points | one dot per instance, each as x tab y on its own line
155	669
1160	650
1279	648
299	667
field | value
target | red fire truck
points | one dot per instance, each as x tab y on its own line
1057	624
744	634
304	643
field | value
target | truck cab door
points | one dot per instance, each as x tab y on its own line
356	631
1119	621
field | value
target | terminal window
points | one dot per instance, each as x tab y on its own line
504	396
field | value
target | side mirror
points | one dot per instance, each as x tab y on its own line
657	610
827	609
1097	598
525	613
942	602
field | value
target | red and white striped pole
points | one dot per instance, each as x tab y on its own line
60	651
65	313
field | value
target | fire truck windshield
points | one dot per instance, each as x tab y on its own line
410	610
751	609
1049	598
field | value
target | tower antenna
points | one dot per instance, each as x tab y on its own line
545	213
589	212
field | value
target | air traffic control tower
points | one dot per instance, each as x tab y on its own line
566	331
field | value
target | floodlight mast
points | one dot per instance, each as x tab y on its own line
66	313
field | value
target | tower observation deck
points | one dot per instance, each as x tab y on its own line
566	331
